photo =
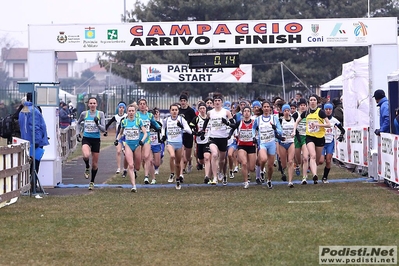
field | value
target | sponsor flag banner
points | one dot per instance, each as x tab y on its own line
354	148
388	159
181	73
231	34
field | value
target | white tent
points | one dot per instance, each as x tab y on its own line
356	103
335	84
66	97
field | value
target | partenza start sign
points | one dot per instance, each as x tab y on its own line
213	34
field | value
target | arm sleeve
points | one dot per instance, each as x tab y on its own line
110	122
81	118
254	128
101	125
186	127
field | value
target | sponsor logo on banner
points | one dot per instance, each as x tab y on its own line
315	34
360	32
338	34
62	38
238	73
112	34
153	74
90	33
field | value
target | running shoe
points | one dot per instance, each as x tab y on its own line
235	170
87	173
125	173
91	185
284	177
181	179
199	166
304	182
206	180
178	186
246	185
220	176
258	181
157	171
184	171
262	176
214	181
315	179
325	181
231	175
297	171
118	171
189	168
224	181
290	185
269	184
134	189
146	180
171	178
153	182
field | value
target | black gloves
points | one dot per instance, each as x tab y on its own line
273	126
96	120
377	132
202	135
180	124
254	140
78	138
279	137
141	143
105	133
224	121
116	142
340	137
163	139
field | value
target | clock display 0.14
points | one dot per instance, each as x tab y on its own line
211	60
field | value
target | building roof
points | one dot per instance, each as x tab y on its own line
22	54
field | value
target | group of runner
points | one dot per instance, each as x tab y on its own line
253	135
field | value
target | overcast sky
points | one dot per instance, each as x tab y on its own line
15	15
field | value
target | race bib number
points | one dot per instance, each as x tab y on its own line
91	127
267	136
147	123
312	125
217	124
246	135
132	134
154	137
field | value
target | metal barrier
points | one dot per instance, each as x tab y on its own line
14	171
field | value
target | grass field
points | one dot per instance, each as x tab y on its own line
198	225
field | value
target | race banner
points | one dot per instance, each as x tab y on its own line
181	73
230	34
354	148
388	157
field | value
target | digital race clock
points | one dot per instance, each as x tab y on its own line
211	60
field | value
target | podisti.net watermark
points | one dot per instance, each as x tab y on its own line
358	254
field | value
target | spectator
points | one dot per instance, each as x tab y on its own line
37	136
396	122
382	102
65	117
338	112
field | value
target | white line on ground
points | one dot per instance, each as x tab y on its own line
310	201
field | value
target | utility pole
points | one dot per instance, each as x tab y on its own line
282	77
